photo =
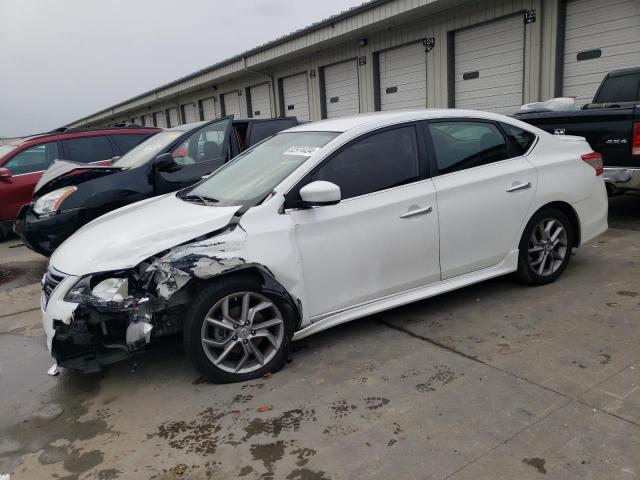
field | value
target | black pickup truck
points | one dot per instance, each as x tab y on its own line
611	125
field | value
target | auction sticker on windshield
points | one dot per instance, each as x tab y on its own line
301	151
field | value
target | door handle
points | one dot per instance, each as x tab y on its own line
518	186
413	212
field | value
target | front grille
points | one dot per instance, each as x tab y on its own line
51	280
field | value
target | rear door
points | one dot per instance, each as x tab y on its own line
201	153
485	188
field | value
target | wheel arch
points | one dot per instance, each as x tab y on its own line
268	282
571	214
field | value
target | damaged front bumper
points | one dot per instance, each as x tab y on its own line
87	335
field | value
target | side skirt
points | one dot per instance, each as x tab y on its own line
507	265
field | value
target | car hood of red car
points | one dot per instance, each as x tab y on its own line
62	173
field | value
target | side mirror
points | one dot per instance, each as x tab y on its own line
320	193
166	163
5	174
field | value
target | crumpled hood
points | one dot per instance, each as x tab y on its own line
60	168
123	238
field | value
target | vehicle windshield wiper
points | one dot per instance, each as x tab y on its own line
203	199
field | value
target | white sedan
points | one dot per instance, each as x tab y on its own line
317	226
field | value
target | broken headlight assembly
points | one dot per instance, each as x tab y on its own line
50	203
102	290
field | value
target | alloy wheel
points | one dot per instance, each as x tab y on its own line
242	332
547	247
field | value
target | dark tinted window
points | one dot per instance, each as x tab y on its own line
462	145
521	140
128	141
89	149
380	161
33	159
619	89
258	131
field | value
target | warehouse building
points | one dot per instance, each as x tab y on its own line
393	54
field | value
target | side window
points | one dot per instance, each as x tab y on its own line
206	144
126	142
462	145
33	159
380	161
521	140
89	149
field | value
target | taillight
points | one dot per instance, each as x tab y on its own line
595	160
635	140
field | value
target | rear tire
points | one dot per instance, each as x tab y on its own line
545	247
234	331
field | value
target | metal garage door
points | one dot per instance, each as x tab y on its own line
403	77
599	37
147	120
173	117
209	108
188	111
296	96
160	119
231	103
489	65
260	96
341	89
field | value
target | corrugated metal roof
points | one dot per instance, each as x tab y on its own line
273	43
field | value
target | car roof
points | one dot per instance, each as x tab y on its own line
380	119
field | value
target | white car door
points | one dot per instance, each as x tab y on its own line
382	238
485	188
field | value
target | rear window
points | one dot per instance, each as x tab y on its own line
619	89
126	142
89	149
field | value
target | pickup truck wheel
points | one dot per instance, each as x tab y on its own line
545	247
235	331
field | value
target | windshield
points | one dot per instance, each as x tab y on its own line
255	173
4	149
147	150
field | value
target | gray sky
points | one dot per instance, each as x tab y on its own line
63	59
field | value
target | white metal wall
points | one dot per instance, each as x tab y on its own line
489	66
341	89
403	77
232	103
296	96
261	101
609	32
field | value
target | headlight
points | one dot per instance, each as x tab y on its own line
50	203
106	291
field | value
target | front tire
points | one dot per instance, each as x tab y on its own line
235	331
545	247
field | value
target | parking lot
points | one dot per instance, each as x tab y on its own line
493	381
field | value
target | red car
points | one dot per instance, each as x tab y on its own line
23	162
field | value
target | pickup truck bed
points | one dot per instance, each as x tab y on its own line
611	127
